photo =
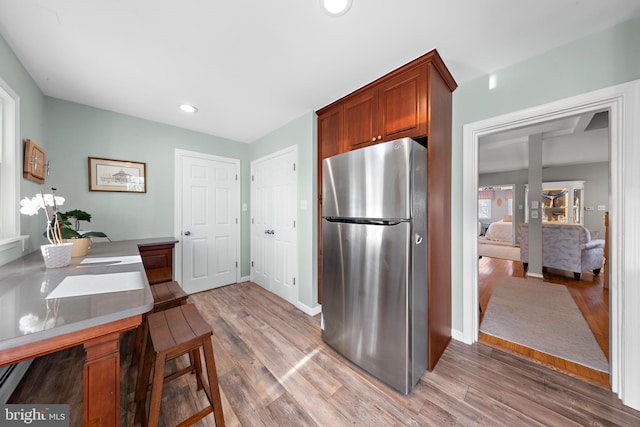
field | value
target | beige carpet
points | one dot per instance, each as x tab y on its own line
500	250
542	316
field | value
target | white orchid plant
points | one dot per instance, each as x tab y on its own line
31	206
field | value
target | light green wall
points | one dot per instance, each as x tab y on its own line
31	118
302	133
600	60
75	132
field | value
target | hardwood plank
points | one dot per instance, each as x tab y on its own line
288	412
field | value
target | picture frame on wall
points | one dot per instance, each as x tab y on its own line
35	162
117	175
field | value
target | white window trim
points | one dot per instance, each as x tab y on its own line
10	166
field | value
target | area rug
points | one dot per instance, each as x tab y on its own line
542	316
500	250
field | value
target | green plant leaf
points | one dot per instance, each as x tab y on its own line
93	234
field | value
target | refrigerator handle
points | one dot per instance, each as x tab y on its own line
418	239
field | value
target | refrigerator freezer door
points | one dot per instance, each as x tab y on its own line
372	182
365	279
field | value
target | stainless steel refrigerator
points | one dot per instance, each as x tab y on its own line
374	260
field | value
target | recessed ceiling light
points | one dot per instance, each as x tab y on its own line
188	108
335	7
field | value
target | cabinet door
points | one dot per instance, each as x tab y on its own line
576	215
403	105
360	120
330	132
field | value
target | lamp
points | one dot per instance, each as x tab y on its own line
188	108
335	7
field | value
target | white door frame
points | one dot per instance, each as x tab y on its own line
623	103
177	207
261	159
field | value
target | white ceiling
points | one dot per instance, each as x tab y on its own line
567	141
251	66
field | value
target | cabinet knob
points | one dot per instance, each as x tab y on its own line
379	137
373	139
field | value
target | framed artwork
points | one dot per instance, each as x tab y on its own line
35	162
117	175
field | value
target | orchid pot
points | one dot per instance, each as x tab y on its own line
56	256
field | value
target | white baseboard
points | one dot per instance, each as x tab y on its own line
457	335
308	310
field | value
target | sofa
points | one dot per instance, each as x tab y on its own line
566	247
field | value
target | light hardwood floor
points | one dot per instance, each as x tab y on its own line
590	295
275	370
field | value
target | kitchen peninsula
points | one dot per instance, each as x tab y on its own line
90	303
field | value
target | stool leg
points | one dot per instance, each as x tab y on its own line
137	343
144	370
214	388
156	389
196	363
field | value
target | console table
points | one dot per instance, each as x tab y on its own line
90	303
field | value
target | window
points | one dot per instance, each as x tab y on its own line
484	209
9	164
485	197
508	194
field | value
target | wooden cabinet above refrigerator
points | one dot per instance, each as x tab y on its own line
393	106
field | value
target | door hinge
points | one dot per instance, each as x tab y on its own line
236	177
294	224
251	220
251	263
294	167
236	264
294	281
236	220
251	178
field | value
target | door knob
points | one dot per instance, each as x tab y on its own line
187	233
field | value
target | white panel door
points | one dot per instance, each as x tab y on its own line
261	238
210	197
274	216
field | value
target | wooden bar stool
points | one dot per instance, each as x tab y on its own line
166	295
173	333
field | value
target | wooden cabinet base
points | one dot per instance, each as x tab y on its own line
101	368
102	380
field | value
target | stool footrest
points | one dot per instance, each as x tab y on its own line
197	417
